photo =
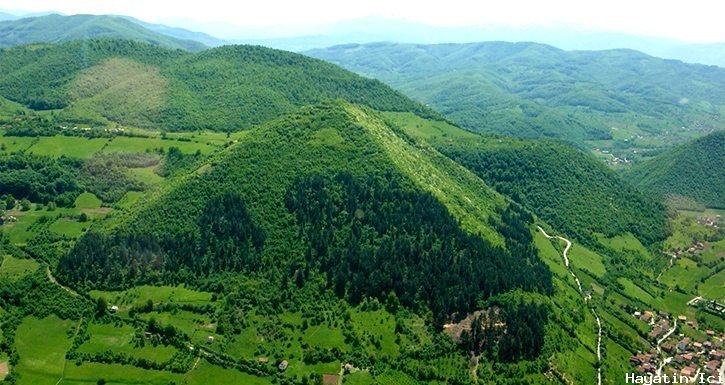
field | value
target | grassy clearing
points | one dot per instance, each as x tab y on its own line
129	199
635	291
139	295
69	227
119	339
87	200
206	373
583	258
14	268
427	129
10	144
41	345
89	373
126	144
626	243
147	175
70	146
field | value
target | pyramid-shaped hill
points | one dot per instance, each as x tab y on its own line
113	82
331	189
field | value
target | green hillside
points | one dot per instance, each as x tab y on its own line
617	100
56	28
567	188
332	189
694	170
111	82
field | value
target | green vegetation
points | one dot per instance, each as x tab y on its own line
13	268
554	180
383	210
56	28
620	101
695	170
41	345
109	82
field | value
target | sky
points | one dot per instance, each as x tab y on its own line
688	21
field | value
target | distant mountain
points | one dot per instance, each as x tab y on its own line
532	90
104	82
695	170
7	16
56	28
359	31
180	33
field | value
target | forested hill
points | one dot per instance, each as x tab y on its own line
329	189
532	90
57	28
110	82
568	188
694	170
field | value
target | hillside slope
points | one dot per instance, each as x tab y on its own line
566	187
333	189
531	90
56	28
226	88
694	170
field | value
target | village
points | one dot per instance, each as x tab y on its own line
680	349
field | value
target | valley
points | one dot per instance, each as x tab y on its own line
508	213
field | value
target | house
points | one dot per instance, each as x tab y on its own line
283	365
697	345
347	368
655	332
681	318
209	339
712	365
669	348
710	333
263	360
688	371
114	309
647	316
683	344
637	314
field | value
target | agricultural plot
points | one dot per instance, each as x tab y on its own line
70	146
120	339
14	268
91	373
41	345
140	295
125	144
10	144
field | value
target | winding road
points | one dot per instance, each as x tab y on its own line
586	300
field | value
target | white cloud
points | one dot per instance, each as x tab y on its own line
694	20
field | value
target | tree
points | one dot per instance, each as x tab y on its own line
101	307
25	204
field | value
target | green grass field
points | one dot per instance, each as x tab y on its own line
206	373
10	144
147	175
119	339
69	227
126	144
139	295
88	373
87	200
583	258
13	268
41	345
70	146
